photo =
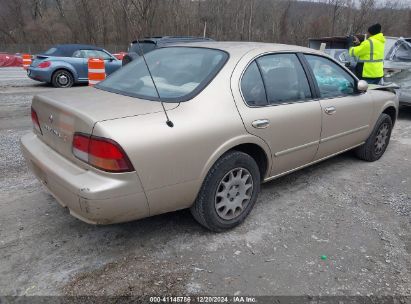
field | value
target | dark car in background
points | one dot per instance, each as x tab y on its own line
64	65
337	47
397	59
149	44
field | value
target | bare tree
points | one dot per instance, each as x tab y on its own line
116	23
337	8
361	17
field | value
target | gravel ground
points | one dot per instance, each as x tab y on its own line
355	213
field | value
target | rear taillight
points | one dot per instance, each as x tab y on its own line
102	153
35	120
44	64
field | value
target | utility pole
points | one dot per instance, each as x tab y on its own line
205	28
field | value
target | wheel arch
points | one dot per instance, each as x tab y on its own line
249	144
257	153
392	112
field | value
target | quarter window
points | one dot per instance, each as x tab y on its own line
284	78
79	54
332	80
95	54
252	86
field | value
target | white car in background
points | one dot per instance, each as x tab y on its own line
397	66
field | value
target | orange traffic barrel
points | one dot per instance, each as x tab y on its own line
26	61
96	71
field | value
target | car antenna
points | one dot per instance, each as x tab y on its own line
168	121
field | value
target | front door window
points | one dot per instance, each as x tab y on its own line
333	80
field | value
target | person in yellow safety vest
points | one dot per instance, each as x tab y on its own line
370	55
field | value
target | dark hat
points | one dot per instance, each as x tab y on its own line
374	29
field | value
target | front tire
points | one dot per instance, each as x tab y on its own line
378	141
228	193
62	79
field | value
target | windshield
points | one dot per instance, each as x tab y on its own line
179	74
401	51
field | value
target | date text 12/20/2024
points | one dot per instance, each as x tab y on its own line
203	299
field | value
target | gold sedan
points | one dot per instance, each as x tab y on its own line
230	116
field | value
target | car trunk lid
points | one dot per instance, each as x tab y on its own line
63	112
38	59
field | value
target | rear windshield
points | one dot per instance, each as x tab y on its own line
145	46
179	74
50	51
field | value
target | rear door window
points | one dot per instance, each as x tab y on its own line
284	78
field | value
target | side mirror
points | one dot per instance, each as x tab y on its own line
362	86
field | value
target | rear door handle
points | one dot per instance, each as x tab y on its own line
330	110
260	123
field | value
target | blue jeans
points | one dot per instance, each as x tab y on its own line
372	80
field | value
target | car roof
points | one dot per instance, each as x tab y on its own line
172	39
66	50
392	37
240	48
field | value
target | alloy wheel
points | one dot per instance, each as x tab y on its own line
381	138
234	193
63	79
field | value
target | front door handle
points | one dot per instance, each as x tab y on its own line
260	123
330	110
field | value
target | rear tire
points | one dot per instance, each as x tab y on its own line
228	193
62	79
378	140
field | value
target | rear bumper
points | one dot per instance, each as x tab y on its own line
43	75
93	197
